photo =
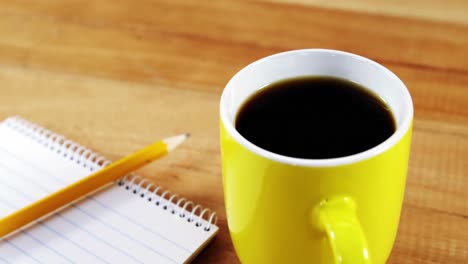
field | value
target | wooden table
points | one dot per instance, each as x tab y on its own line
116	75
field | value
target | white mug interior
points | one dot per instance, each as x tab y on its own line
321	62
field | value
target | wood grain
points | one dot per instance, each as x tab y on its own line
448	11
116	75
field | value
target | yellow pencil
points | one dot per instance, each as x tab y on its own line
88	184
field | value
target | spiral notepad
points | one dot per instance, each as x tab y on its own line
128	221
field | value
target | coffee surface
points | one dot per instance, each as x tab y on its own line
315	117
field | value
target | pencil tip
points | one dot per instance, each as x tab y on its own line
173	142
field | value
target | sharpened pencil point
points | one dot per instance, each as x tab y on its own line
187	135
173	142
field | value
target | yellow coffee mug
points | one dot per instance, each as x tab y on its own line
290	210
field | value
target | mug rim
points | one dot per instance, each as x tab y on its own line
330	162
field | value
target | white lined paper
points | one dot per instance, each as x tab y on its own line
111	226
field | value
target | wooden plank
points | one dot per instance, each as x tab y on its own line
271	27
437	174
427	236
440	96
453	11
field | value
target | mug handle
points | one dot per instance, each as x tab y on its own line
336	216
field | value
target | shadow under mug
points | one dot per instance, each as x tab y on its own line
290	210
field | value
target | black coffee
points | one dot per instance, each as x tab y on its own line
315	117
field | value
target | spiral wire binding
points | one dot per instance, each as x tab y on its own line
74	152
